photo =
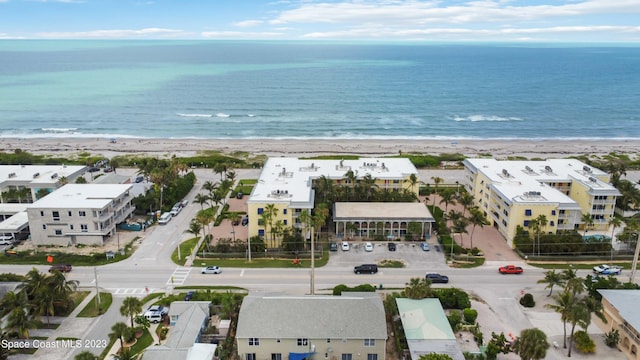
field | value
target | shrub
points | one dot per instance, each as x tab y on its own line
583	342
452	298
454	319
470	315
612	338
527	301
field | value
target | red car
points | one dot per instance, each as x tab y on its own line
510	269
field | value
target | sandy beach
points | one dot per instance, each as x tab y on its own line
499	149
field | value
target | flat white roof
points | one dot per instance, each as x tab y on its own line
37	174
82	196
345	211
524	180
288	179
15	223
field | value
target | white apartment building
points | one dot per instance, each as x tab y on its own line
79	214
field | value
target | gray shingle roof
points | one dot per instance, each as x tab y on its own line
335	317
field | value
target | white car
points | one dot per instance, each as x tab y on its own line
368	246
211	270
6	239
607	269
345	246
164	218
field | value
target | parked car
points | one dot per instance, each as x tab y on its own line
391	246
345	246
605	269
424	246
156	313
333	246
366	269
437	278
6	239
245	221
158	308
211	270
165	218
368	246
175	210
61	268
184	203
189	295
239	195
139	179
510	269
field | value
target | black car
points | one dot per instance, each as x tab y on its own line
437	278
333	246
391	246
189	295
239	195
61	268
366	269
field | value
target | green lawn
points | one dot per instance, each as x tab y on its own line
92	310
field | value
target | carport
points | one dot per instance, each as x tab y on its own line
379	218
16	224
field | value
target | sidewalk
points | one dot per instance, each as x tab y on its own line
152	330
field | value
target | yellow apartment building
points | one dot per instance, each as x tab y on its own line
287	184
620	308
512	193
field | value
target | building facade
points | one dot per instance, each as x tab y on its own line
84	214
513	193
348	327
288	185
620	308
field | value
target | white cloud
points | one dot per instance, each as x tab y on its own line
248	23
115	34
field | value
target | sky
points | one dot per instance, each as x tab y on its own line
584	21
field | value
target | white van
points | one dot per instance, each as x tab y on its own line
164	218
6	239
153	316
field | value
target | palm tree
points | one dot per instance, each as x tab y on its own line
194	228
447	197
210	186
125	354
614	223
59	285
269	214
578	315
201	199
436	180
418	288
587	221
563	304
20	323
12	300
552	278
476	217
34	280
220	168
466	200
121	331
460	227
413	181
44	303
131	306
531	344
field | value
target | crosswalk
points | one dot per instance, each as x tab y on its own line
180	274
177	278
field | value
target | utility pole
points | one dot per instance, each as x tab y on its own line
95	276
632	278
313	259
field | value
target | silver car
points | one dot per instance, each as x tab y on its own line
211	270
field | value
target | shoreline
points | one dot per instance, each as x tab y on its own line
499	149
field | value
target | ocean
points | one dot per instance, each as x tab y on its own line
317	90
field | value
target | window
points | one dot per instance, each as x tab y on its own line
303	342
260	211
44	227
553	212
260	222
526	223
41	213
261	232
347	357
82	213
58	232
372	356
71	227
276	356
551	223
369	342
56	216
250	356
254	341
69	213
84	228
328	341
527	212
284	222
284	211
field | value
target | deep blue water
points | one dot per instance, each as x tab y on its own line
216	89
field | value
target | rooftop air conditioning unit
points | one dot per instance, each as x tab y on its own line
36	175
548	168
586	168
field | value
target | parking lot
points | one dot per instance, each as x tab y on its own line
409	253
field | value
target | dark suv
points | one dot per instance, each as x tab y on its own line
366	269
60	267
437	278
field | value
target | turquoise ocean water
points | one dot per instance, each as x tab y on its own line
217	89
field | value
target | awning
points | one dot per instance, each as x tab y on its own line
299	356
